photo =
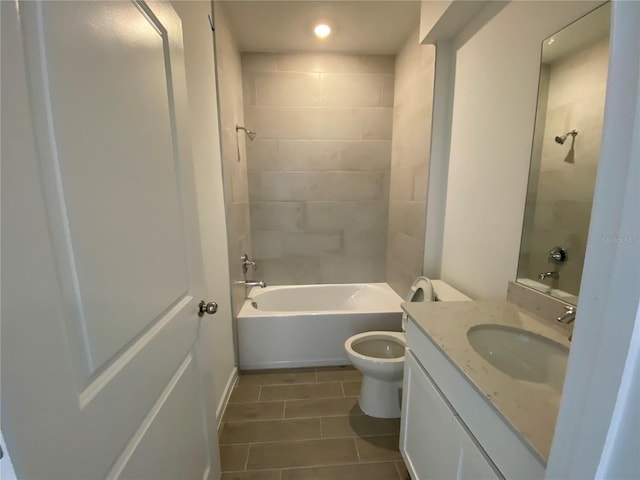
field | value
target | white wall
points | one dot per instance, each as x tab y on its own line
216	335
496	82
598	419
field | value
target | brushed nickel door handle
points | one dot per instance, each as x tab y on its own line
210	308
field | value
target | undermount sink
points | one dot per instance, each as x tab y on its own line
521	354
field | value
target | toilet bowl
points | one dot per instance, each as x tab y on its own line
380	358
379	355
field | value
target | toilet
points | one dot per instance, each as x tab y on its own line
379	355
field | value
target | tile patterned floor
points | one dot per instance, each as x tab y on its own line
305	424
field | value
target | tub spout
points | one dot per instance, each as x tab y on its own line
555	275
254	283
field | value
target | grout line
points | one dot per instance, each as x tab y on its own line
246	462
282	470
342	388
362	437
320	465
358	451
288	384
284	410
257	401
331	465
327	415
401	475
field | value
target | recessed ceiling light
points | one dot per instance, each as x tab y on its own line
322	30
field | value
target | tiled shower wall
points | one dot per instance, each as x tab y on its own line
234	164
410	163
319	168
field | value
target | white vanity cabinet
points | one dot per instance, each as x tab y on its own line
449	430
434	441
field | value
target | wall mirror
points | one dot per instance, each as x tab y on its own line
564	158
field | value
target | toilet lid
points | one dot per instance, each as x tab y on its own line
420	291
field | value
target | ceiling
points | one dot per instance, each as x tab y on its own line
363	26
585	31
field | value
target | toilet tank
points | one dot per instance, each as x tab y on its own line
446	293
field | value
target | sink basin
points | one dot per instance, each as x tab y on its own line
521	354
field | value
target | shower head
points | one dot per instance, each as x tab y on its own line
249	133
563	138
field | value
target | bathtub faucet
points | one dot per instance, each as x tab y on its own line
254	283
555	275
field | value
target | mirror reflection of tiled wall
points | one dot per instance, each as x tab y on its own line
567	173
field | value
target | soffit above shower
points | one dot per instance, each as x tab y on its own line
374	27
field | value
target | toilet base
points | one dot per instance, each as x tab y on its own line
380	399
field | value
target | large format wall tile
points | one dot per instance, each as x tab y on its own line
351	90
410	154
318	172
301	186
279	88
336	63
341	214
233	146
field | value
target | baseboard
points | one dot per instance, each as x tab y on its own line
296	364
222	405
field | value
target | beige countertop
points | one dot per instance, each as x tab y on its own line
530	408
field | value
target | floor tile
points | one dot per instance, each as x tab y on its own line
233	457
245	393
358	426
240	412
362	471
302	454
378	448
278	378
270	431
301	424
322	407
402	471
255	475
351	389
298	392
338	374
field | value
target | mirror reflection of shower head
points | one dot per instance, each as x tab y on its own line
563	138
249	133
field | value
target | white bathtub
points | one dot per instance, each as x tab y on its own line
307	325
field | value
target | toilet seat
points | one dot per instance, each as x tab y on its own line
421	291
378	347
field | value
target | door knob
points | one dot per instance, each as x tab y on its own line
210	308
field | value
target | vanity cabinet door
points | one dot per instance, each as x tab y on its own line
473	462
427	438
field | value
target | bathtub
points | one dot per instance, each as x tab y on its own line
307	325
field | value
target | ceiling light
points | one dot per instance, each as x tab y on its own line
551	40
322	30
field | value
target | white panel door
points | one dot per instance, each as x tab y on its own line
101	261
